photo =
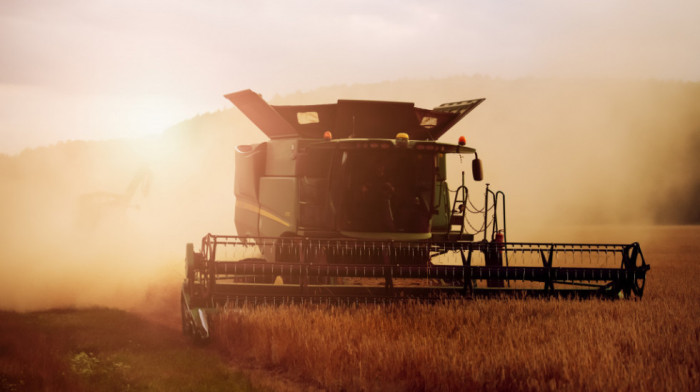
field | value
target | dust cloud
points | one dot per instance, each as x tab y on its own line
106	223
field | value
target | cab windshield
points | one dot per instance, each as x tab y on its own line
385	191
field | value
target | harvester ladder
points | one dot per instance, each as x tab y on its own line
459	207
495	196
500	252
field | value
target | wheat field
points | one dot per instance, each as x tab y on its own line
493	344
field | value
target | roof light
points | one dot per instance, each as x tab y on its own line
327	136
462	141
402	139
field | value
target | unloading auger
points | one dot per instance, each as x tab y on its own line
348	203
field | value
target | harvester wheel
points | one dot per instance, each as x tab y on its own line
185	316
633	253
637	288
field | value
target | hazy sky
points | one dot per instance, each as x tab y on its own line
94	69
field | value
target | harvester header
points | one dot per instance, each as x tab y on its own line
349	203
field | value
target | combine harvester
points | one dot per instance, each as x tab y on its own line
349	203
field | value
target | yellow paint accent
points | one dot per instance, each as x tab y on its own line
261	211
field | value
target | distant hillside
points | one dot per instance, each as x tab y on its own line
119	212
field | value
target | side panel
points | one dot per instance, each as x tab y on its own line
278	202
247	217
250	166
281	157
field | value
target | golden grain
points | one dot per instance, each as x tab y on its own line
504	344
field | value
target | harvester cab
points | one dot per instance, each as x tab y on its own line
349	203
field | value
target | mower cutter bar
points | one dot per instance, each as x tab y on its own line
253	300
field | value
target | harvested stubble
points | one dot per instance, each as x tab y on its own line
507	344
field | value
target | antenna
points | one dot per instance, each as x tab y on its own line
352	134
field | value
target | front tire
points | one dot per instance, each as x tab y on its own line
186	318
